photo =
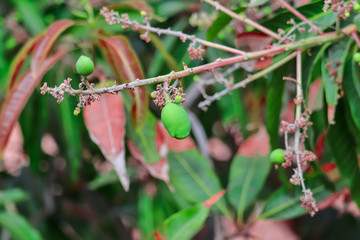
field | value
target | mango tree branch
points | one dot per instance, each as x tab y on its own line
302	17
246	81
113	17
301	45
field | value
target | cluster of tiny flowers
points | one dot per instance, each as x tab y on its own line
287	127
57	92
159	98
308	202
288	155
196	53
339	6
295	178
299	127
307	156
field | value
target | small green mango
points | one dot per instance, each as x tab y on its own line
84	66
277	156
176	121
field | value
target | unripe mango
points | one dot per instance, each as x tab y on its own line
176	120
277	156
84	66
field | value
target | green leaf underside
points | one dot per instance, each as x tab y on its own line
247	177
12	195
194	179
282	204
343	148
18	227
185	224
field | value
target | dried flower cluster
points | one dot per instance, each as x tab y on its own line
293	155
171	91
58	92
339	6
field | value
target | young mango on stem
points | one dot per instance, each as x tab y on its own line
176	120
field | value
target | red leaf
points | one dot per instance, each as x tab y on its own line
174	144
18	96
251	42
159	169
134	4
272	230
331	171
105	120
208	203
320	146
255	144
127	68
14	157
331	114
219	150
20	59
315	95
43	47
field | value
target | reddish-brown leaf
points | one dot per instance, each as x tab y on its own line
18	96
105	120
254	41
133	4
159	169
208	203
43	47
256	144
331	114
174	144
219	150
272	230
320	146
315	101
20	58
14	157
127	68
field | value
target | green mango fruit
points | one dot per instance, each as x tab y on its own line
84	66
356	57
176	121
277	156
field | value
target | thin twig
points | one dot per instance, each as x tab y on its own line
302	17
259	27
246	81
303	44
113	17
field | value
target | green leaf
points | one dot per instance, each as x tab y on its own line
351	86
315	67
343	148
220	23
31	15
193	178
274	102
163	55
143	137
18	227
247	177
104	179
185	224
145	220
12	195
282	205
70	124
